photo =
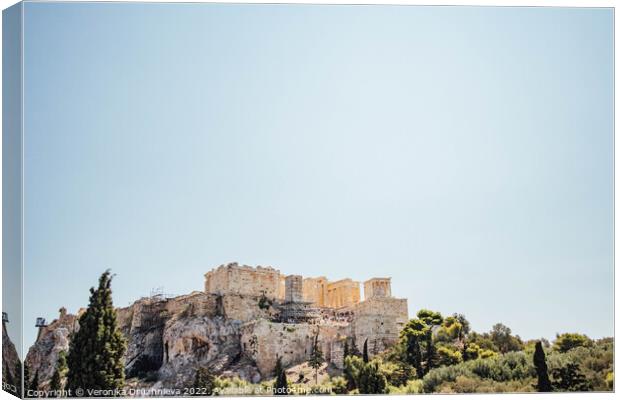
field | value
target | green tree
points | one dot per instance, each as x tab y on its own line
365	353
502	336
97	349
569	378
354	350
431	319
316	358
352	367
56	383
451	330
411	337
540	363
448	356
569	341
346	352
281	384
471	351
371	379
465	327
339	385
483	340
204	383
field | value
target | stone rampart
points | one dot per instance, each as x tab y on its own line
379	320
242	279
264	341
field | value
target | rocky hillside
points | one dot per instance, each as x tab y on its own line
170	338
11	365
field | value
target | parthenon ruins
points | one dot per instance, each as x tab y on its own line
266	281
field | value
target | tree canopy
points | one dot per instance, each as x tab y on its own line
97	349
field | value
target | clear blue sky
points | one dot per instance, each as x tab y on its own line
465	152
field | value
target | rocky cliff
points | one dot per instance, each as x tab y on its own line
11	365
232	335
170	338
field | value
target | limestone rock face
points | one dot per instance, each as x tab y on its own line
264	341
52	339
11	364
198	341
143	326
232	335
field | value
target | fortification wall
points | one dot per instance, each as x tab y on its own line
245	308
379	320
242	279
264	341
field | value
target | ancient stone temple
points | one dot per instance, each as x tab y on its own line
244	320
377	287
242	279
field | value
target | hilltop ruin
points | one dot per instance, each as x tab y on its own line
245	319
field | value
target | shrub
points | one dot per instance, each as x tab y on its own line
264	303
371	379
570	379
448	356
515	366
398	373
464	384
486	353
352	367
609	380
413	386
569	341
339	385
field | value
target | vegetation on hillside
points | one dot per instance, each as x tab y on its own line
434	354
442	355
96	351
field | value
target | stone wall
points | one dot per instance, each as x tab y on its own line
343	293
379	320
282	287
377	287
245	308
293	289
315	291
264	341
242	279
245	280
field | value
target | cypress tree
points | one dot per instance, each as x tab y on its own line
281	385
316	358
354	350
56	383
411	338
97	349
346	351
544	384
365	355
372	380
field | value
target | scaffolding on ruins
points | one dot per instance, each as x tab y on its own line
153	311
